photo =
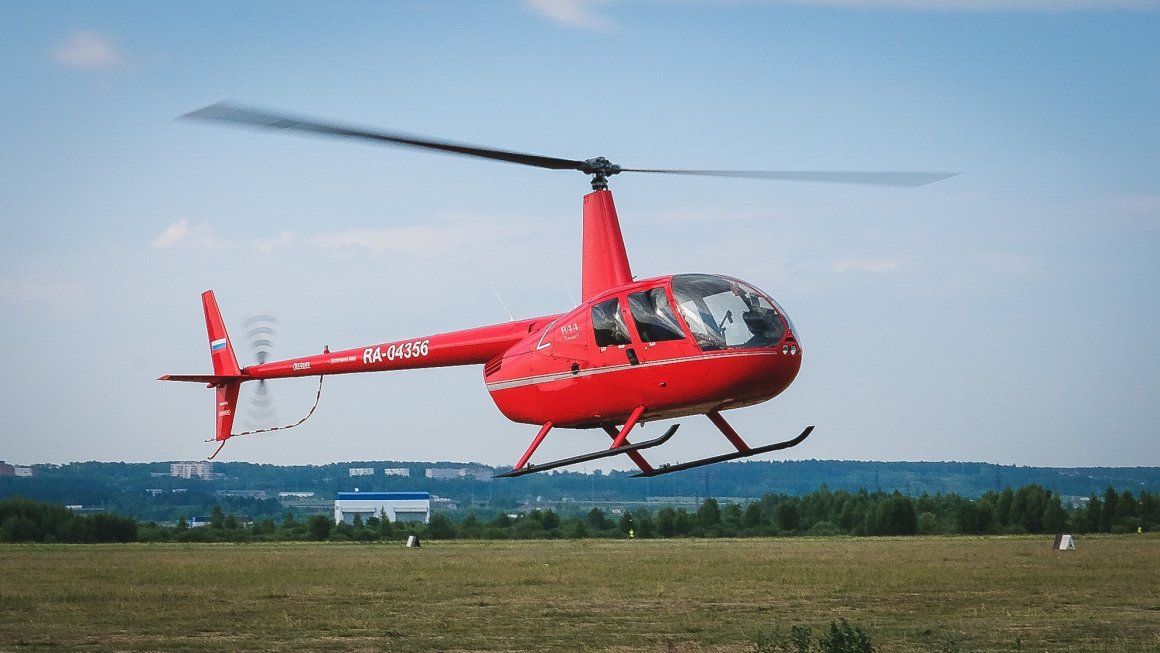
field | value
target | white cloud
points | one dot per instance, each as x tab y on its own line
578	14
284	239
182	234
89	50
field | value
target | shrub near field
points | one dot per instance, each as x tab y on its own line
906	594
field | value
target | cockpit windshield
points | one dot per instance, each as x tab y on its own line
727	314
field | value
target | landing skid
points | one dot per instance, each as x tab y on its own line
620	444
668	469
595	455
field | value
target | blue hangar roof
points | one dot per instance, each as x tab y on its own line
385	496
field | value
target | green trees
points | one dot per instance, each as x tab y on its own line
440	527
709	515
788	516
1118	513
29	521
976	518
596	521
319	527
895	515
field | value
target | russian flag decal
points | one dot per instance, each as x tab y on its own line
220	343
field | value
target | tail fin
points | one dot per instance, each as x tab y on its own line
221	350
225	364
227	405
227	375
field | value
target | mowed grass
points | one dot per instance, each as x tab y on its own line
908	594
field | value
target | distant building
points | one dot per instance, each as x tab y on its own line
14	470
202	470
295	495
449	473
397	506
397	471
361	471
244	494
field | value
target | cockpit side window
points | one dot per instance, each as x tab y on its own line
725	314
608	325
653	315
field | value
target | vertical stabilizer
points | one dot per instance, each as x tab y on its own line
605	262
227	405
221	350
225	363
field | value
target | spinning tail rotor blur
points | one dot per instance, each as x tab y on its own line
261	331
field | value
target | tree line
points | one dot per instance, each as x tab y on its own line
22	520
1029	509
148	492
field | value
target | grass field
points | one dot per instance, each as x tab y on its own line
908	594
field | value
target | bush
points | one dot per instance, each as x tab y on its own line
824	528
840	637
845	638
776	641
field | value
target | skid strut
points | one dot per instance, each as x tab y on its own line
621	445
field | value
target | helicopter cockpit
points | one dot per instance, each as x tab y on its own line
724	313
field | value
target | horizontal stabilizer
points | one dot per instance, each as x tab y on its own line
209	379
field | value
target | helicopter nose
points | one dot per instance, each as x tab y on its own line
783	367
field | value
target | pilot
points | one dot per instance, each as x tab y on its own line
765	325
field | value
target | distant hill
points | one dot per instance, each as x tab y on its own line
147	491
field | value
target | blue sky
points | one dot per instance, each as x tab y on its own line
1006	315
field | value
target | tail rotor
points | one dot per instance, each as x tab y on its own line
261	332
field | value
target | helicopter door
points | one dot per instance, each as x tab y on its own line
610	335
608	326
659	333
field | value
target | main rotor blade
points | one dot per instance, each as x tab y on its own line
872	178
225	112
599	166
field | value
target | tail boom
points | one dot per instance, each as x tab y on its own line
468	347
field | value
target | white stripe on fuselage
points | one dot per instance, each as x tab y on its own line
593	371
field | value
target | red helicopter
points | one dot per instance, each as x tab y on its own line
633	351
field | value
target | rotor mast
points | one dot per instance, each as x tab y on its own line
604	260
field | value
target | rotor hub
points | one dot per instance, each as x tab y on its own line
601	169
